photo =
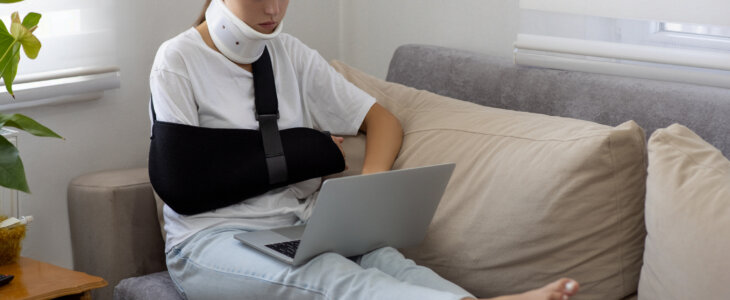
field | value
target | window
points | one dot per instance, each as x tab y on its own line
623	38
77	60
701	31
692	35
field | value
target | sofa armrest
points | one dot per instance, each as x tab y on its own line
114	227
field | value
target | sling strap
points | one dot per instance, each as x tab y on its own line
267	114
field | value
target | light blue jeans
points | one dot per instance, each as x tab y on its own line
214	265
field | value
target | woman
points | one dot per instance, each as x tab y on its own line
203	77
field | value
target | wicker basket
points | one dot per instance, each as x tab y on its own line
10	242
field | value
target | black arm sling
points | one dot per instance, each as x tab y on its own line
197	169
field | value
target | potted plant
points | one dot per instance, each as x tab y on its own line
20	35
12	173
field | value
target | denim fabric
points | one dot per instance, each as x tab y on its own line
212	264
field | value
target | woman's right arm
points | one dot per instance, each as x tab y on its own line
171	89
173	99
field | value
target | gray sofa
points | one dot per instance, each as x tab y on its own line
121	240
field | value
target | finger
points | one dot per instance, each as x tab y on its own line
337	139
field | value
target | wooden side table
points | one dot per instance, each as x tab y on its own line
39	280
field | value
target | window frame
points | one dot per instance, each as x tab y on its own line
652	33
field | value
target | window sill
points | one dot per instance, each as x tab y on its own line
72	85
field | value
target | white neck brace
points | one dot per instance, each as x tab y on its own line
233	37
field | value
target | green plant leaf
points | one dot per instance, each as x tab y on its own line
31	20
6	45
14	19
20	36
17	30
31	45
9	1
8	61
9	74
12	174
6	39
26	124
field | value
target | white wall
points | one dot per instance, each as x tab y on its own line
373	29
113	132
317	24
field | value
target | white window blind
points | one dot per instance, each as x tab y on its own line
616	37
77	60
686	11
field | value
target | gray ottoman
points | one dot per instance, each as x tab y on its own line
157	286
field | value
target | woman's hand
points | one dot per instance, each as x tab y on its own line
338	141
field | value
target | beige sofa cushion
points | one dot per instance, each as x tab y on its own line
687	219
533	197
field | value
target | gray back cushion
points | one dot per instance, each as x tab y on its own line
605	99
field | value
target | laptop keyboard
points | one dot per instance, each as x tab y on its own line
287	248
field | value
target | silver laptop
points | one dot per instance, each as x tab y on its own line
357	214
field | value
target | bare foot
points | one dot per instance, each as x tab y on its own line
558	290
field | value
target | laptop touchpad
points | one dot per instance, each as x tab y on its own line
294	232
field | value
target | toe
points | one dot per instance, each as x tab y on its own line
556	296
564	286
571	287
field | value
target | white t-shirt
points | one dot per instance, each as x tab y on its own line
193	84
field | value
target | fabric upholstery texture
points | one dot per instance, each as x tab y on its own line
687	218
605	99
533	197
113	230
153	286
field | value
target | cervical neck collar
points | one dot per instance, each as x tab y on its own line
233	37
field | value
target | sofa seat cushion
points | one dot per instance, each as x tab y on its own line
533	197
687	218
152	286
